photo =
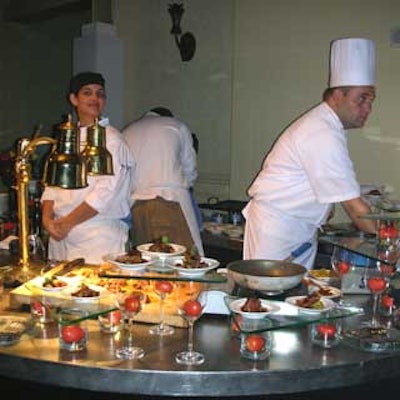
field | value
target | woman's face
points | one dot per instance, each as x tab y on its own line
89	103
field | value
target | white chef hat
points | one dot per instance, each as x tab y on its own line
352	62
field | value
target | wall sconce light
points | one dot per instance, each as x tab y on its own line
186	43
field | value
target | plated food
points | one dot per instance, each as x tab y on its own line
329	292
311	304
159	250
53	283
325	275
11	329
86	293
186	267
253	307
132	260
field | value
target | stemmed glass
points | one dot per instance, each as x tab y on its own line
130	305
162	289
191	303
377	283
341	264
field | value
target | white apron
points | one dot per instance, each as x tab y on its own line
90	240
261	242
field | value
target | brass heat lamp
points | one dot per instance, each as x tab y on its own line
65	167
98	158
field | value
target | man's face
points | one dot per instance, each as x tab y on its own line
89	102
354	105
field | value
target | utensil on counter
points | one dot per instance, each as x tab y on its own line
62	268
271	277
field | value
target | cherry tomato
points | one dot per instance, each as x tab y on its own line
132	303
192	308
376	284
114	317
388	232
37	307
164	286
343	267
328	330
387	301
254	342
72	333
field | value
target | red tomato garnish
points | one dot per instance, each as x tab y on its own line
164	286
114	317
72	333
255	342
132	303
192	308
376	284
387	301
343	267
388	232
37	307
328	330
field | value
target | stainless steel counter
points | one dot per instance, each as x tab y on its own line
295	364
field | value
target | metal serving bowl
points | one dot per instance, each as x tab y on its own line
266	275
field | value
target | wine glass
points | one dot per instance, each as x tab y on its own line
191	302
130	304
162	289
377	283
341	264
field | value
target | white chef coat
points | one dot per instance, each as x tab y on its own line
109	195
308	170
165	164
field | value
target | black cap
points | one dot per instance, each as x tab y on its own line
162	111
85	78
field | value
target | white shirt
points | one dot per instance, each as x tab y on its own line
165	164
109	195
308	170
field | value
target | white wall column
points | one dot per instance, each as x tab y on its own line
100	50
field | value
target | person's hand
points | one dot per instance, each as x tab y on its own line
61	228
53	230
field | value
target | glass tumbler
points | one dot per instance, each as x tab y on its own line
72	329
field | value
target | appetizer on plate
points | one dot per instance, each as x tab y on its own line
312	303
326	275
253	307
131	260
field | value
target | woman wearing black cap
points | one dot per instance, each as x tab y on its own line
88	222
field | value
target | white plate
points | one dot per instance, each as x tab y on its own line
271	306
38	284
178	249
177	265
328	304
112	259
102	292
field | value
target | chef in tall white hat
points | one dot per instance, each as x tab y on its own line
309	170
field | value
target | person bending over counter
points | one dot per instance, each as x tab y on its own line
165	169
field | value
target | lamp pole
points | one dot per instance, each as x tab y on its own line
23	177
